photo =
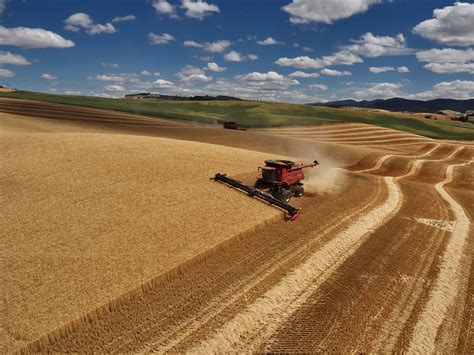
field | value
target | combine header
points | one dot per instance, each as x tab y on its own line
279	181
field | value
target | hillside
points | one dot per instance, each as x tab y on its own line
258	114
405	105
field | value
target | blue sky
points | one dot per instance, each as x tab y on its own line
288	50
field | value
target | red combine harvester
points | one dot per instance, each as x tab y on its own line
279	181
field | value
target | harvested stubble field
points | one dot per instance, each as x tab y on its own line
113	241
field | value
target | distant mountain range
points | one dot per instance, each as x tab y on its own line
399	104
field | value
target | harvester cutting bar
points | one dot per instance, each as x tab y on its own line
293	212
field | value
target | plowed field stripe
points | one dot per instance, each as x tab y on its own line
260	319
415	166
447	284
386	157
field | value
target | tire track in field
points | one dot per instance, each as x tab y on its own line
366	135
446	286
386	157
375	141
260	319
362	137
324	128
342	135
415	166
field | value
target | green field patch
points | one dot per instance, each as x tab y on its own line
261	114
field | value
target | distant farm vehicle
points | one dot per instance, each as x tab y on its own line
280	180
232	125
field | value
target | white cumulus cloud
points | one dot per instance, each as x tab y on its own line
214	67
46	76
306	11
198	8
370	45
378	70
160	39
450	68
269	80
318	87
81	20
380	91
332	72
216	47
403	69
190	75
196	78
448	60
13	59
233	56
451	25
300	74
458	89
124	18
104	77
5	73
305	62
446	55
162	84
252	56
26	37
212	47
163	7
192	44
114	88
269	42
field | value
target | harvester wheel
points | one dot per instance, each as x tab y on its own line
298	191
259	184
283	195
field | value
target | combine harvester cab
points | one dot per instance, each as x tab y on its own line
279	181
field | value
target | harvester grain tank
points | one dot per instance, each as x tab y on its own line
279	181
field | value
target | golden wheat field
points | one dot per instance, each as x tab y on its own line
113	239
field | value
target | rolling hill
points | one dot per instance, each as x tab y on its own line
254	114
405	105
